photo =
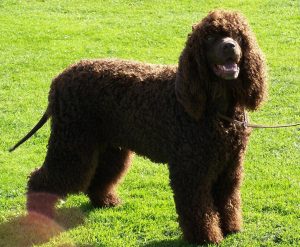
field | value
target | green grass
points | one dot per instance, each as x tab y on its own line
40	38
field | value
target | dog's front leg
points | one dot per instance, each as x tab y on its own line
198	218
228	197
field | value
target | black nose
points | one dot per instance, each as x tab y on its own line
228	46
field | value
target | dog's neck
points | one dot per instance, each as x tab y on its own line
221	99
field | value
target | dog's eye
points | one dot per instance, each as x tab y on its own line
239	39
210	38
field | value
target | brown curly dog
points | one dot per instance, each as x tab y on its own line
102	109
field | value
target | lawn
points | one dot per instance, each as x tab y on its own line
40	38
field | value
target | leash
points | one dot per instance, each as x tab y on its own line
246	124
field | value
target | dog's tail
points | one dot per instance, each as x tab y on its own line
40	123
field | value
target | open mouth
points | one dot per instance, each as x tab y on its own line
228	71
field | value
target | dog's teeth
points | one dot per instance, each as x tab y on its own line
230	67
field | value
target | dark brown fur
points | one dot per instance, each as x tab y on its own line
101	109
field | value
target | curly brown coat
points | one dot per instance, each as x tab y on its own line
102	109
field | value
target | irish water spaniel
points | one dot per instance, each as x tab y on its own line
102	110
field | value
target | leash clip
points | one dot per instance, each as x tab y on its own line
245	122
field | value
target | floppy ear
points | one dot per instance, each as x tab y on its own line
253	71
191	76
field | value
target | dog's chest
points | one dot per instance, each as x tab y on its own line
232	142
213	142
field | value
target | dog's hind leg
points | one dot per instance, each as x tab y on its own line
112	166
69	165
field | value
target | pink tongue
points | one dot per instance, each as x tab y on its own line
227	71
230	66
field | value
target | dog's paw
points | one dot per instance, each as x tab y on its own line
215	236
232	224
108	200
229	231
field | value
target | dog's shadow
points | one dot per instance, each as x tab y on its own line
172	243
34	229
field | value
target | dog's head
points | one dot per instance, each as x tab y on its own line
221	54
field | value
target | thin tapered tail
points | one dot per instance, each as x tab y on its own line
40	123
